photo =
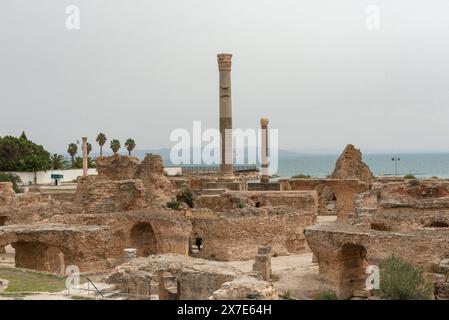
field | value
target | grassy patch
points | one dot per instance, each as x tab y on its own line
326	295
31	281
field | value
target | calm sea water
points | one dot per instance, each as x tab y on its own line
420	165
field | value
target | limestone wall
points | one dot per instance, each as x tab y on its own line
302	200
237	234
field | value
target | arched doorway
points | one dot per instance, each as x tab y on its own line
39	256
352	268
143	239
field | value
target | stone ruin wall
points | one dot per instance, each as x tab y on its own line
344	252
184	277
123	184
302	200
404	205
237	234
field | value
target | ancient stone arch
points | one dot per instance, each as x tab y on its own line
143	239
40	256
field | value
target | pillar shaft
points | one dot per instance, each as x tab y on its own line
227	156
84	156
265	177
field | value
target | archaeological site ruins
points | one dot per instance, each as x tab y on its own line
222	235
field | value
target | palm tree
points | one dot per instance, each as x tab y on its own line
89	148
58	162
101	139
115	146
72	150
130	144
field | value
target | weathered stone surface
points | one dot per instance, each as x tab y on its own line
350	166
198	278
52	247
442	291
117	167
6	193
35	212
245	288
301	200
444	266
361	293
151	172
344	251
401	205
236	234
262	262
114	196
345	192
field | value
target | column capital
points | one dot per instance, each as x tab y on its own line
264	122
224	61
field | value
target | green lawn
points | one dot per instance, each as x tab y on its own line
31	281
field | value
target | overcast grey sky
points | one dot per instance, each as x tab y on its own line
142	68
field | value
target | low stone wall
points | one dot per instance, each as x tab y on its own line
237	234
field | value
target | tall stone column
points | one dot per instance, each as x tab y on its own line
227	156
84	156
265	177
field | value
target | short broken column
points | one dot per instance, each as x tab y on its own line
84	156
263	262
265	177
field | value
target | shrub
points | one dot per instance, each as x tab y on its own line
409	176
301	176
173	205
241	205
15	179
326	295
399	280
186	196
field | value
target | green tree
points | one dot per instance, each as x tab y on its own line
72	151
15	155
58	162
101	139
23	136
15	179
89	148
34	163
78	164
115	146
130	144
399	280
